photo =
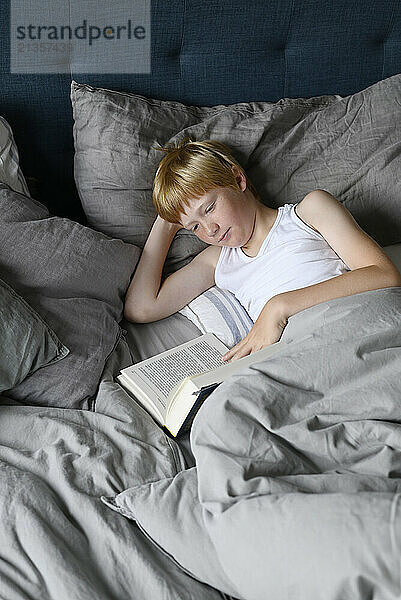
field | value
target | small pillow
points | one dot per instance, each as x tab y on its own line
10	172
348	146
218	311
76	279
26	341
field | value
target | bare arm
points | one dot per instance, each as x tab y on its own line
145	283
146	299
371	269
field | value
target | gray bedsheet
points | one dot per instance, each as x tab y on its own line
58	541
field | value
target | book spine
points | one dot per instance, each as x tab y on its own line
202	395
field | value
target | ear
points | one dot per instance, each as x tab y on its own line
239	177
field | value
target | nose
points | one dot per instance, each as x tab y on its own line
211	230
210	227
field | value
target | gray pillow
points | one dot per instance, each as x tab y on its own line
76	279
348	146
148	339
26	341
10	172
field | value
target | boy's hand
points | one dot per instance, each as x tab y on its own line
266	330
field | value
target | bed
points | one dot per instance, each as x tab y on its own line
288	485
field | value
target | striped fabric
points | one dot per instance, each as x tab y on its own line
218	311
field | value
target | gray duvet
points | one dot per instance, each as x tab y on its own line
299	460
295	492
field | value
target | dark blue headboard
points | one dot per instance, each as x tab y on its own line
205	53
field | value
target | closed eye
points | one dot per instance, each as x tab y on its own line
208	210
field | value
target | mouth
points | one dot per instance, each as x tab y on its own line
224	237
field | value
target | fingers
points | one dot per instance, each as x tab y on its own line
243	352
235	353
230	353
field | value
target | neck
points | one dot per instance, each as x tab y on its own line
263	222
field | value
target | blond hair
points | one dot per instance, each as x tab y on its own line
190	170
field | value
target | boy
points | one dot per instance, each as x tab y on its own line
323	253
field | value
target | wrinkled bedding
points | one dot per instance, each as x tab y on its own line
299	459
58	541
296	492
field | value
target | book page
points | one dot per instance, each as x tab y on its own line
225	370
163	372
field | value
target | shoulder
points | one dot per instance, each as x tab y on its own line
341	231
315	206
209	256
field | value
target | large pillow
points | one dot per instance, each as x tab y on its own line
10	172
348	146
76	279
26	341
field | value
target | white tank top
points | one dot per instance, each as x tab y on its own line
292	256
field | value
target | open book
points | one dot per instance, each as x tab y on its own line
172	385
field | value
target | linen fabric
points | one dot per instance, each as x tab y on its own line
76	279
292	256
61	541
349	146
168	502
148	339
27	343
297	465
10	171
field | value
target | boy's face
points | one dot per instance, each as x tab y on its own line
220	212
